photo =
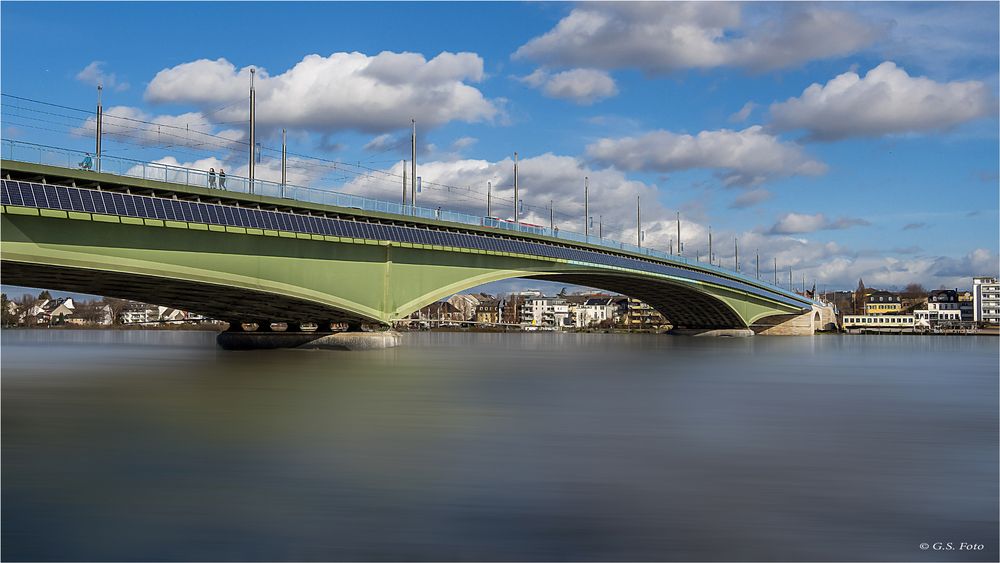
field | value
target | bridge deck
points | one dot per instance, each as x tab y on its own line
156	200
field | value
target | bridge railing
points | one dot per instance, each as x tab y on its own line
120	166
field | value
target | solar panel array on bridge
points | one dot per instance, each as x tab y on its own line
30	194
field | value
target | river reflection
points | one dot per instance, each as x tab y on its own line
159	446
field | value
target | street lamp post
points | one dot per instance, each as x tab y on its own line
515	189
253	138
100	119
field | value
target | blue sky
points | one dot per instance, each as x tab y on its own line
847	140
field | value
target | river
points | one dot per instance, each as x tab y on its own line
156	445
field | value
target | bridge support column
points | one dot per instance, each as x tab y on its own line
719	332
337	341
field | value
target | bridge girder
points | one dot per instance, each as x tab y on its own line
253	277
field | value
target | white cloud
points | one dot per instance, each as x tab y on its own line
343	91
463	143
660	37
582	86
746	157
743	114
541	179
886	101
132	125
298	173
383	142
95	75
797	223
750	199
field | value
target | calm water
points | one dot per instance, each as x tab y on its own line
158	446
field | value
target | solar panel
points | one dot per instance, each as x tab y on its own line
243	217
283	222
119	203
271	220
340	228
146	206
13	192
51	198
175	208
227	215
129	206
186	211
37	193
109	203
213	214
75	202
154	208
62	194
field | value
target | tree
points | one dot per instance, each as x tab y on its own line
859	298
45	295
562	293
7	316
117	306
913	291
91	312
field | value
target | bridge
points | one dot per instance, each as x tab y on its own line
268	253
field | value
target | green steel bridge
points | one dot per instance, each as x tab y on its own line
267	253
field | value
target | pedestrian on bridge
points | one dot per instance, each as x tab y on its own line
222	179
211	177
87	162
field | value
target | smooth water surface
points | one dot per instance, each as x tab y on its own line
159	446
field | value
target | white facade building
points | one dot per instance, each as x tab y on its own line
877	321
986	300
550	312
595	311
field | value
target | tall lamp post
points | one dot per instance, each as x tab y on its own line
253	139
100	119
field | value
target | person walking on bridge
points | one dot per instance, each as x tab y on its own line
222	179
87	162
211	177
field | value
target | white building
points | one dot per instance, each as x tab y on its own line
879	322
942	306
135	313
595	311
547	312
986	300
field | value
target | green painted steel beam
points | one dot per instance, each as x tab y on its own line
743	301
318	276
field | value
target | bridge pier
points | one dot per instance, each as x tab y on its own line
266	338
718	332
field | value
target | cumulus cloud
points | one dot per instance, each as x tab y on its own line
798	223
886	101
461	185
298	173
95	75
660	37
582	86
746	157
373	94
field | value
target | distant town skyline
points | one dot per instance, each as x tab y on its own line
844	140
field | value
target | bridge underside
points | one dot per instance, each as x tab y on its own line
683	307
211	300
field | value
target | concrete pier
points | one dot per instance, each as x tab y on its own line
717	333
234	340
